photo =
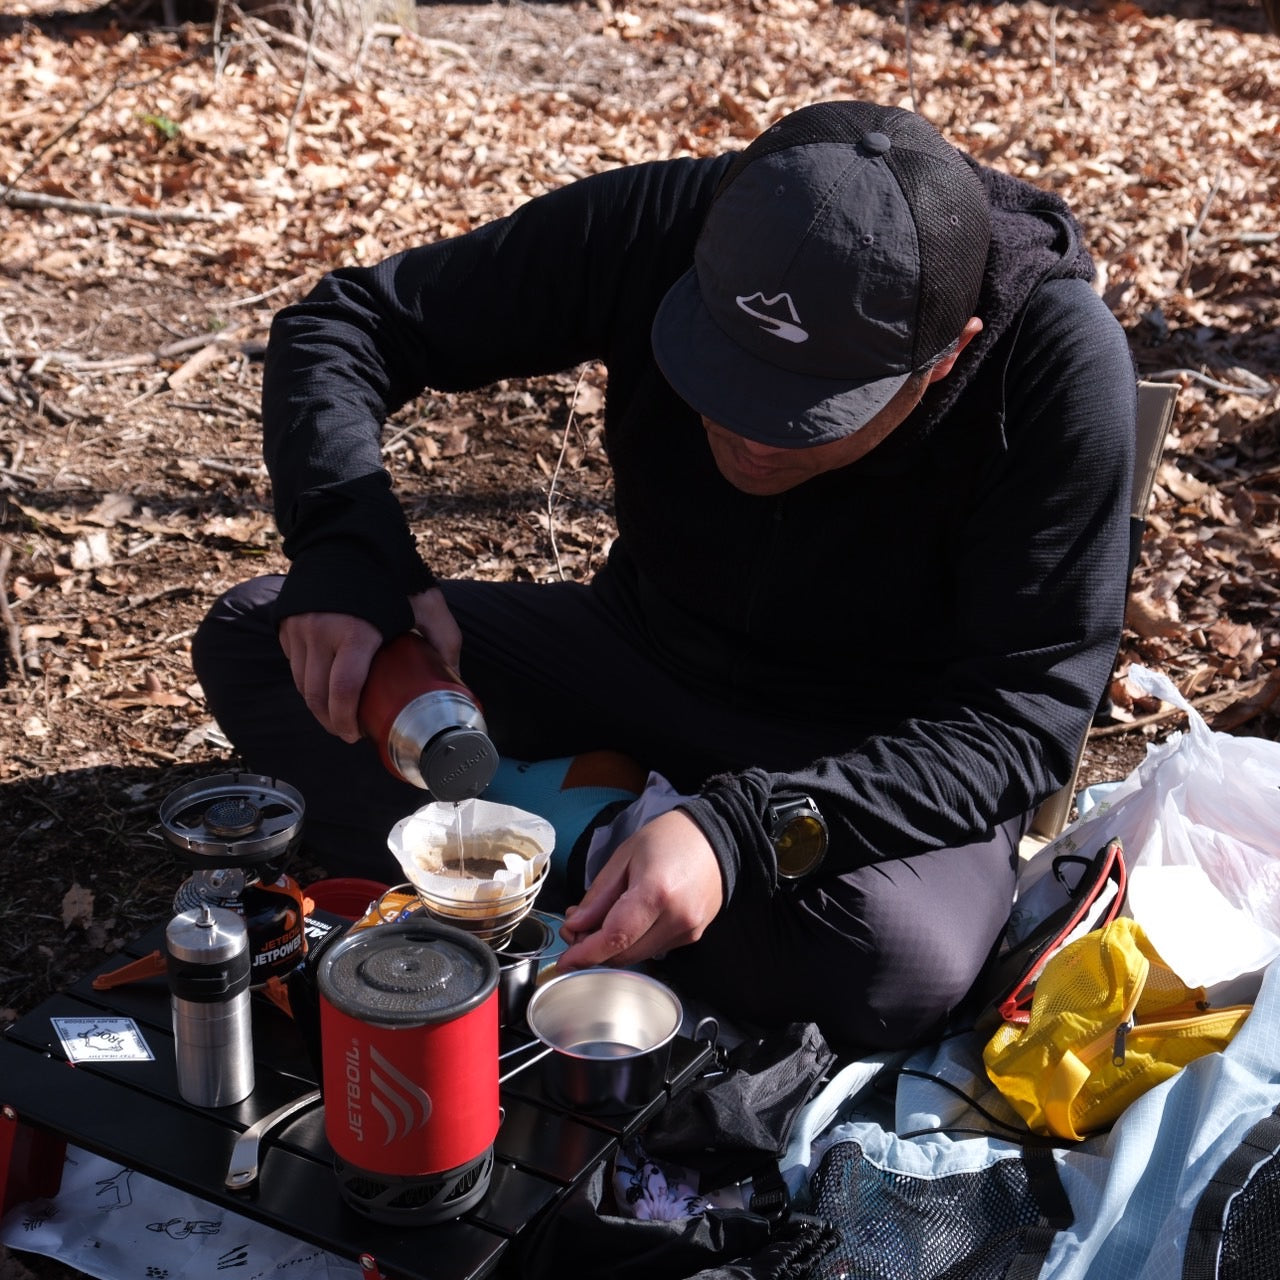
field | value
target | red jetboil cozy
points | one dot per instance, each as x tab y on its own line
409	1044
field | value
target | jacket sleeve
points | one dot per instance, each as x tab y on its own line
531	293
1027	632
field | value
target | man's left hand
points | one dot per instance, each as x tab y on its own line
660	889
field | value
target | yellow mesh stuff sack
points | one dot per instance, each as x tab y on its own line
1108	1021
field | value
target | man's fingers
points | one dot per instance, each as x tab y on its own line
346	676
627	934
329	655
314	685
308	679
596	902
432	617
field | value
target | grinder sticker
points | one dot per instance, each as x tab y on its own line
102	1040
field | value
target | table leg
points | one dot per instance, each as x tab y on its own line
31	1161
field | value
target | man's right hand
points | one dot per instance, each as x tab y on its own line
329	654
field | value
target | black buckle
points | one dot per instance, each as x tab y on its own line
770	1196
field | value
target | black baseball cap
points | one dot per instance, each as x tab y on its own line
843	251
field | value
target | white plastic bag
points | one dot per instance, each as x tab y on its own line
1199	819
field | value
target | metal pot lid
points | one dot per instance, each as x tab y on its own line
232	819
407	974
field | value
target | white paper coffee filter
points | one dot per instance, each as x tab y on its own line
431	842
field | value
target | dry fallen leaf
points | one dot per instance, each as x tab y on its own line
92	552
146	698
77	907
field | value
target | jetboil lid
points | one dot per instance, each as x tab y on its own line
407	974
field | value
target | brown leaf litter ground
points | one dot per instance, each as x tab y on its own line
167	188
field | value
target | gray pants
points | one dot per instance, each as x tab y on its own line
878	957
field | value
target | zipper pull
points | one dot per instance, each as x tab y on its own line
1117	1049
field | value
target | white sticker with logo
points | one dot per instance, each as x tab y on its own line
102	1040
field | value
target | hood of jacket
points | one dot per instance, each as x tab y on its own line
1034	238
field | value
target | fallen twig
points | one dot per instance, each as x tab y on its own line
1263	389
6	613
906	50
96	209
290	139
137	602
266	31
1139	722
138	359
232	469
195	364
1262	695
555	474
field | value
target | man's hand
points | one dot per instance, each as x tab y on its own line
432	618
659	890
330	654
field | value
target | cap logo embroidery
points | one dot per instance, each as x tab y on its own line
781	319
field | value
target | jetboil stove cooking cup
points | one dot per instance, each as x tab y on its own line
409	1052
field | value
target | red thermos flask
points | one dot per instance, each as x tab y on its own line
426	724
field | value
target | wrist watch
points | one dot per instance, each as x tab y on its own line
799	835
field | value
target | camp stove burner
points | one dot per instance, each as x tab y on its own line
233	820
235	832
235	816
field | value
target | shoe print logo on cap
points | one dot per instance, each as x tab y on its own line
777	315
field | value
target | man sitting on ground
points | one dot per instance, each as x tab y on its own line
871	436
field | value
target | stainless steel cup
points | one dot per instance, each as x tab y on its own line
610	1031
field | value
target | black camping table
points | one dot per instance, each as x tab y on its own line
132	1113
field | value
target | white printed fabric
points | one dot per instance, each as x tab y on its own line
114	1223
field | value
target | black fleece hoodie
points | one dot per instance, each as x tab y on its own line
963	584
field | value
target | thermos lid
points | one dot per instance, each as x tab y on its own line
407	974
206	935
459	763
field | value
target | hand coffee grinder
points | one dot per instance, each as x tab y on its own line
235	832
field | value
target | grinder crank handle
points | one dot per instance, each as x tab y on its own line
242	1172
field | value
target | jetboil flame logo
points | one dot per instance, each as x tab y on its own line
402	1105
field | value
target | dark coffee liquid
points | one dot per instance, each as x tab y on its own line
473	868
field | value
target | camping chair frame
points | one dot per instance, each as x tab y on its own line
1156	402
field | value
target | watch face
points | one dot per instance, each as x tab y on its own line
800	845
